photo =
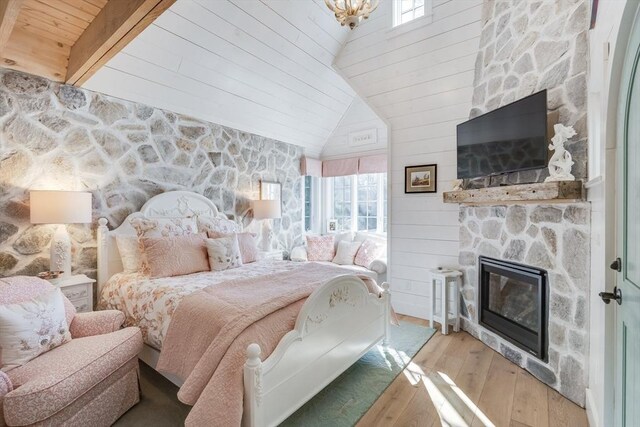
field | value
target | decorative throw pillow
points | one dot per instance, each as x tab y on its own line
130	247
32	327
368	252
224	253
346	252
176	256
246	242
320	248
218	225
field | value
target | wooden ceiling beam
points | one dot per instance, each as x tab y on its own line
9	11
119	22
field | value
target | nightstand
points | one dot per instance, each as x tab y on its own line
79	290
277	255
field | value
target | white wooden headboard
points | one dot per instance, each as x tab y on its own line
173	204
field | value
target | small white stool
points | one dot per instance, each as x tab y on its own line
448	280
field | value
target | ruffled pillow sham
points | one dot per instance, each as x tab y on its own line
176	256
224	253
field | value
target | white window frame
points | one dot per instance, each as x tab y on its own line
329	201
399	29
316	206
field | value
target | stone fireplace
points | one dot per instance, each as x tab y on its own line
553	238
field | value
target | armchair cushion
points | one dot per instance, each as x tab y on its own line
379	266
96	323
51	382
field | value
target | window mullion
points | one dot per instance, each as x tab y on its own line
354	202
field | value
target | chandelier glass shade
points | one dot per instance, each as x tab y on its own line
351	12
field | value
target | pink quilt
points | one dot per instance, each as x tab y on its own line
210	359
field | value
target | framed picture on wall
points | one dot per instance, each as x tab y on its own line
332	225
421	179
270	190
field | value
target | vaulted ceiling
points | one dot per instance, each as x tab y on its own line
262	66
68	40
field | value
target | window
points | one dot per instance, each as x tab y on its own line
358	202
311	210
342	202
407	10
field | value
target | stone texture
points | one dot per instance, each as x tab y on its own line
572	382
7	262
491	229
526	47
541	372
71	97
575	254
124	153
516	219
6	231
38	265
513	355
33	240
546	214
536	235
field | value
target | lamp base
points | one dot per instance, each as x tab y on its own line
267	234
61	252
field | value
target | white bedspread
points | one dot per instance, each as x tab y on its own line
150	303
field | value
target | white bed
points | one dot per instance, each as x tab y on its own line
326	340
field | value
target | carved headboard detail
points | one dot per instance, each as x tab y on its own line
172	204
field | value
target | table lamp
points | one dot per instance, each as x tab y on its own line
61	208
266	209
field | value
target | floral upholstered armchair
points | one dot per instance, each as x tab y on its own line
90	379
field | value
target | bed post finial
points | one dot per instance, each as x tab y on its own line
386	296
103	259
252	387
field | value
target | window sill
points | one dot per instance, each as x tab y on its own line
401	29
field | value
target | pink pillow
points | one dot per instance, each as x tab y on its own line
320	248
176	256
368	252
246	242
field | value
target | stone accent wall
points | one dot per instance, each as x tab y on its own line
552	237
55	136
528	46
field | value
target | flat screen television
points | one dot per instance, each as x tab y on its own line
509	139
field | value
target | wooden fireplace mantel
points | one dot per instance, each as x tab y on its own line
541	192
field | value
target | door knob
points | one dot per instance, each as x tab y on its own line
616	265
615	295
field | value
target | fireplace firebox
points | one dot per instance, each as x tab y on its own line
514	303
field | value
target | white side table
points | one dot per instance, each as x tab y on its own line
448	282
78	289
278	255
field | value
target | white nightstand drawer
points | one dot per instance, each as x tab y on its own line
82	305
76	292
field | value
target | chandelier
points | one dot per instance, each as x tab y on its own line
351	12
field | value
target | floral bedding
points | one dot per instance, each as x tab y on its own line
150	303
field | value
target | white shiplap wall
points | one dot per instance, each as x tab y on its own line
420	81
262	66
358	117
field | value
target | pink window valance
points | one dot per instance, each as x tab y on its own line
340	167
310	167
372	164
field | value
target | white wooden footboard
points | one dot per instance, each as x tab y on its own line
336	326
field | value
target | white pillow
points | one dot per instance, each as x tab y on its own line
217	225
32	327
224	253
346	252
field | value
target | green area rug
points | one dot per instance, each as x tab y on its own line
349	397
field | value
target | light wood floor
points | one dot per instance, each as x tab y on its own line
456	380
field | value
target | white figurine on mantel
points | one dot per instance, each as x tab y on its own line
561	161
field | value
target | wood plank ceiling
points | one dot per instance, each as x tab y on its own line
261	66
68	40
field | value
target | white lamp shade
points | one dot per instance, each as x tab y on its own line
60	207
266	209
